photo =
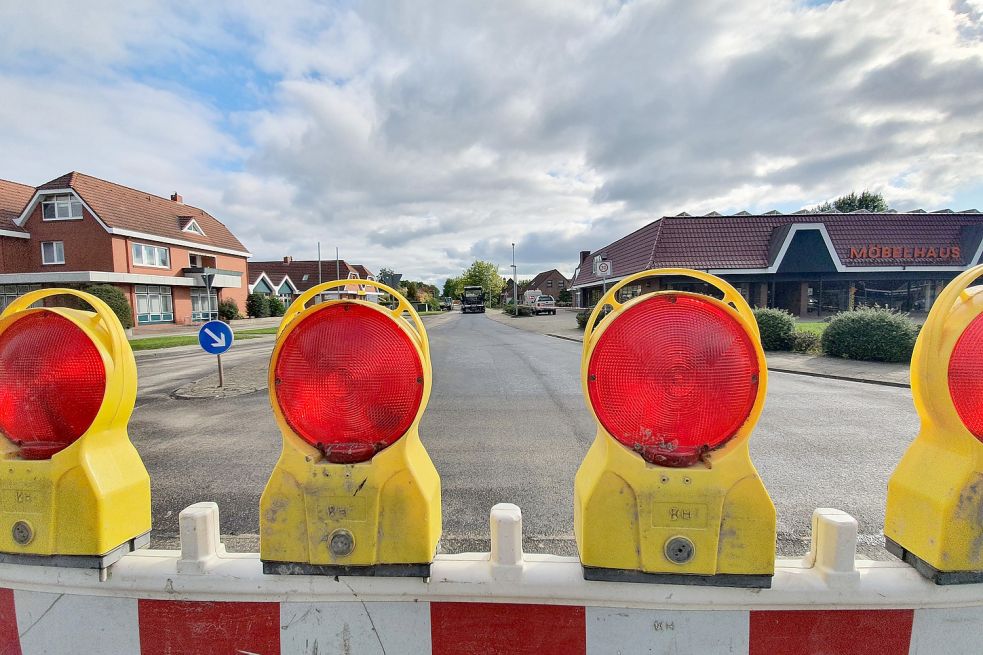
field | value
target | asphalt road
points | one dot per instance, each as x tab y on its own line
507	423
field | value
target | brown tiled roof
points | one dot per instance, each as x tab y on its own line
745	241
129	209
541	278
13	198
363	272
296	269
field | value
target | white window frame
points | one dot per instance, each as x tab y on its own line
193	228
156	256
56	246
61	200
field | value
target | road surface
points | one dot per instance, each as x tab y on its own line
507	423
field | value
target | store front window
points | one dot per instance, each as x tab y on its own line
11	292
204	304
154	304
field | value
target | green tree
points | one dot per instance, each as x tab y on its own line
277	308
485	275
257	305
228	309
410	290
453	287
873	202
116	299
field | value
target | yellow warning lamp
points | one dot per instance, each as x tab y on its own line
667	492
934	517
354	491
73	490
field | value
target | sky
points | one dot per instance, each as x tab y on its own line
423	135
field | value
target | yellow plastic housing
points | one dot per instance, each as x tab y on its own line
627	510
935	495
390	504
94	495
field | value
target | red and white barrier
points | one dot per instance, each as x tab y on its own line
203	600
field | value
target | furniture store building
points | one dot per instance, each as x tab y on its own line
812	264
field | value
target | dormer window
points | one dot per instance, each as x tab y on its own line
193	228
61	208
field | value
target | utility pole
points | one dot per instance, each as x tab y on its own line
319	262
515	283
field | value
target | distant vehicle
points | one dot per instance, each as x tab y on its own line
445	303
544	305
529	297
473	300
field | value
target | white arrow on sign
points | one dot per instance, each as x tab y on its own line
219	342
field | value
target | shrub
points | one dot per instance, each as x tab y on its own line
806	342
777	328
871	334
228	310
257	305
582	317
116	299
277	308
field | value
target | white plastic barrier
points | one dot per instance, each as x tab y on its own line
204	600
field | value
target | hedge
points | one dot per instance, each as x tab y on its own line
871	334
257	305
116	299
777	328
277	308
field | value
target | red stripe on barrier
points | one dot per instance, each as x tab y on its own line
494	629
844	632
171	627
9	637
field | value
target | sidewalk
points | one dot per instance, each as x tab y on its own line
172	330
564	326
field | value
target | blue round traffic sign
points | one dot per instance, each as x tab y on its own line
215	337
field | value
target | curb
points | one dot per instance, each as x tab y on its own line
843	378
829	376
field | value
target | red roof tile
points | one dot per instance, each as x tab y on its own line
743	242
124	208
13	198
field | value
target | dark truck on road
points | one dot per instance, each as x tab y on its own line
473	300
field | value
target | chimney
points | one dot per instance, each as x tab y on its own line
584	254
176	198
287	259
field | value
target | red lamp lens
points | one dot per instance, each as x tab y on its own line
966	377
673	377
52	383
349	381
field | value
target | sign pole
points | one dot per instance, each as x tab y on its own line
215	338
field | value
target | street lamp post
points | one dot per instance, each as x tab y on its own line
515	284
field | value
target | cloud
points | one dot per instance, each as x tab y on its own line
423	136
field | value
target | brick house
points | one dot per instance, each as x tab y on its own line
550	282
78	230
810	263
289	277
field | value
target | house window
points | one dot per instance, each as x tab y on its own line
52	252
549	284
61	208
154	304
194	228
152	256
204	304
